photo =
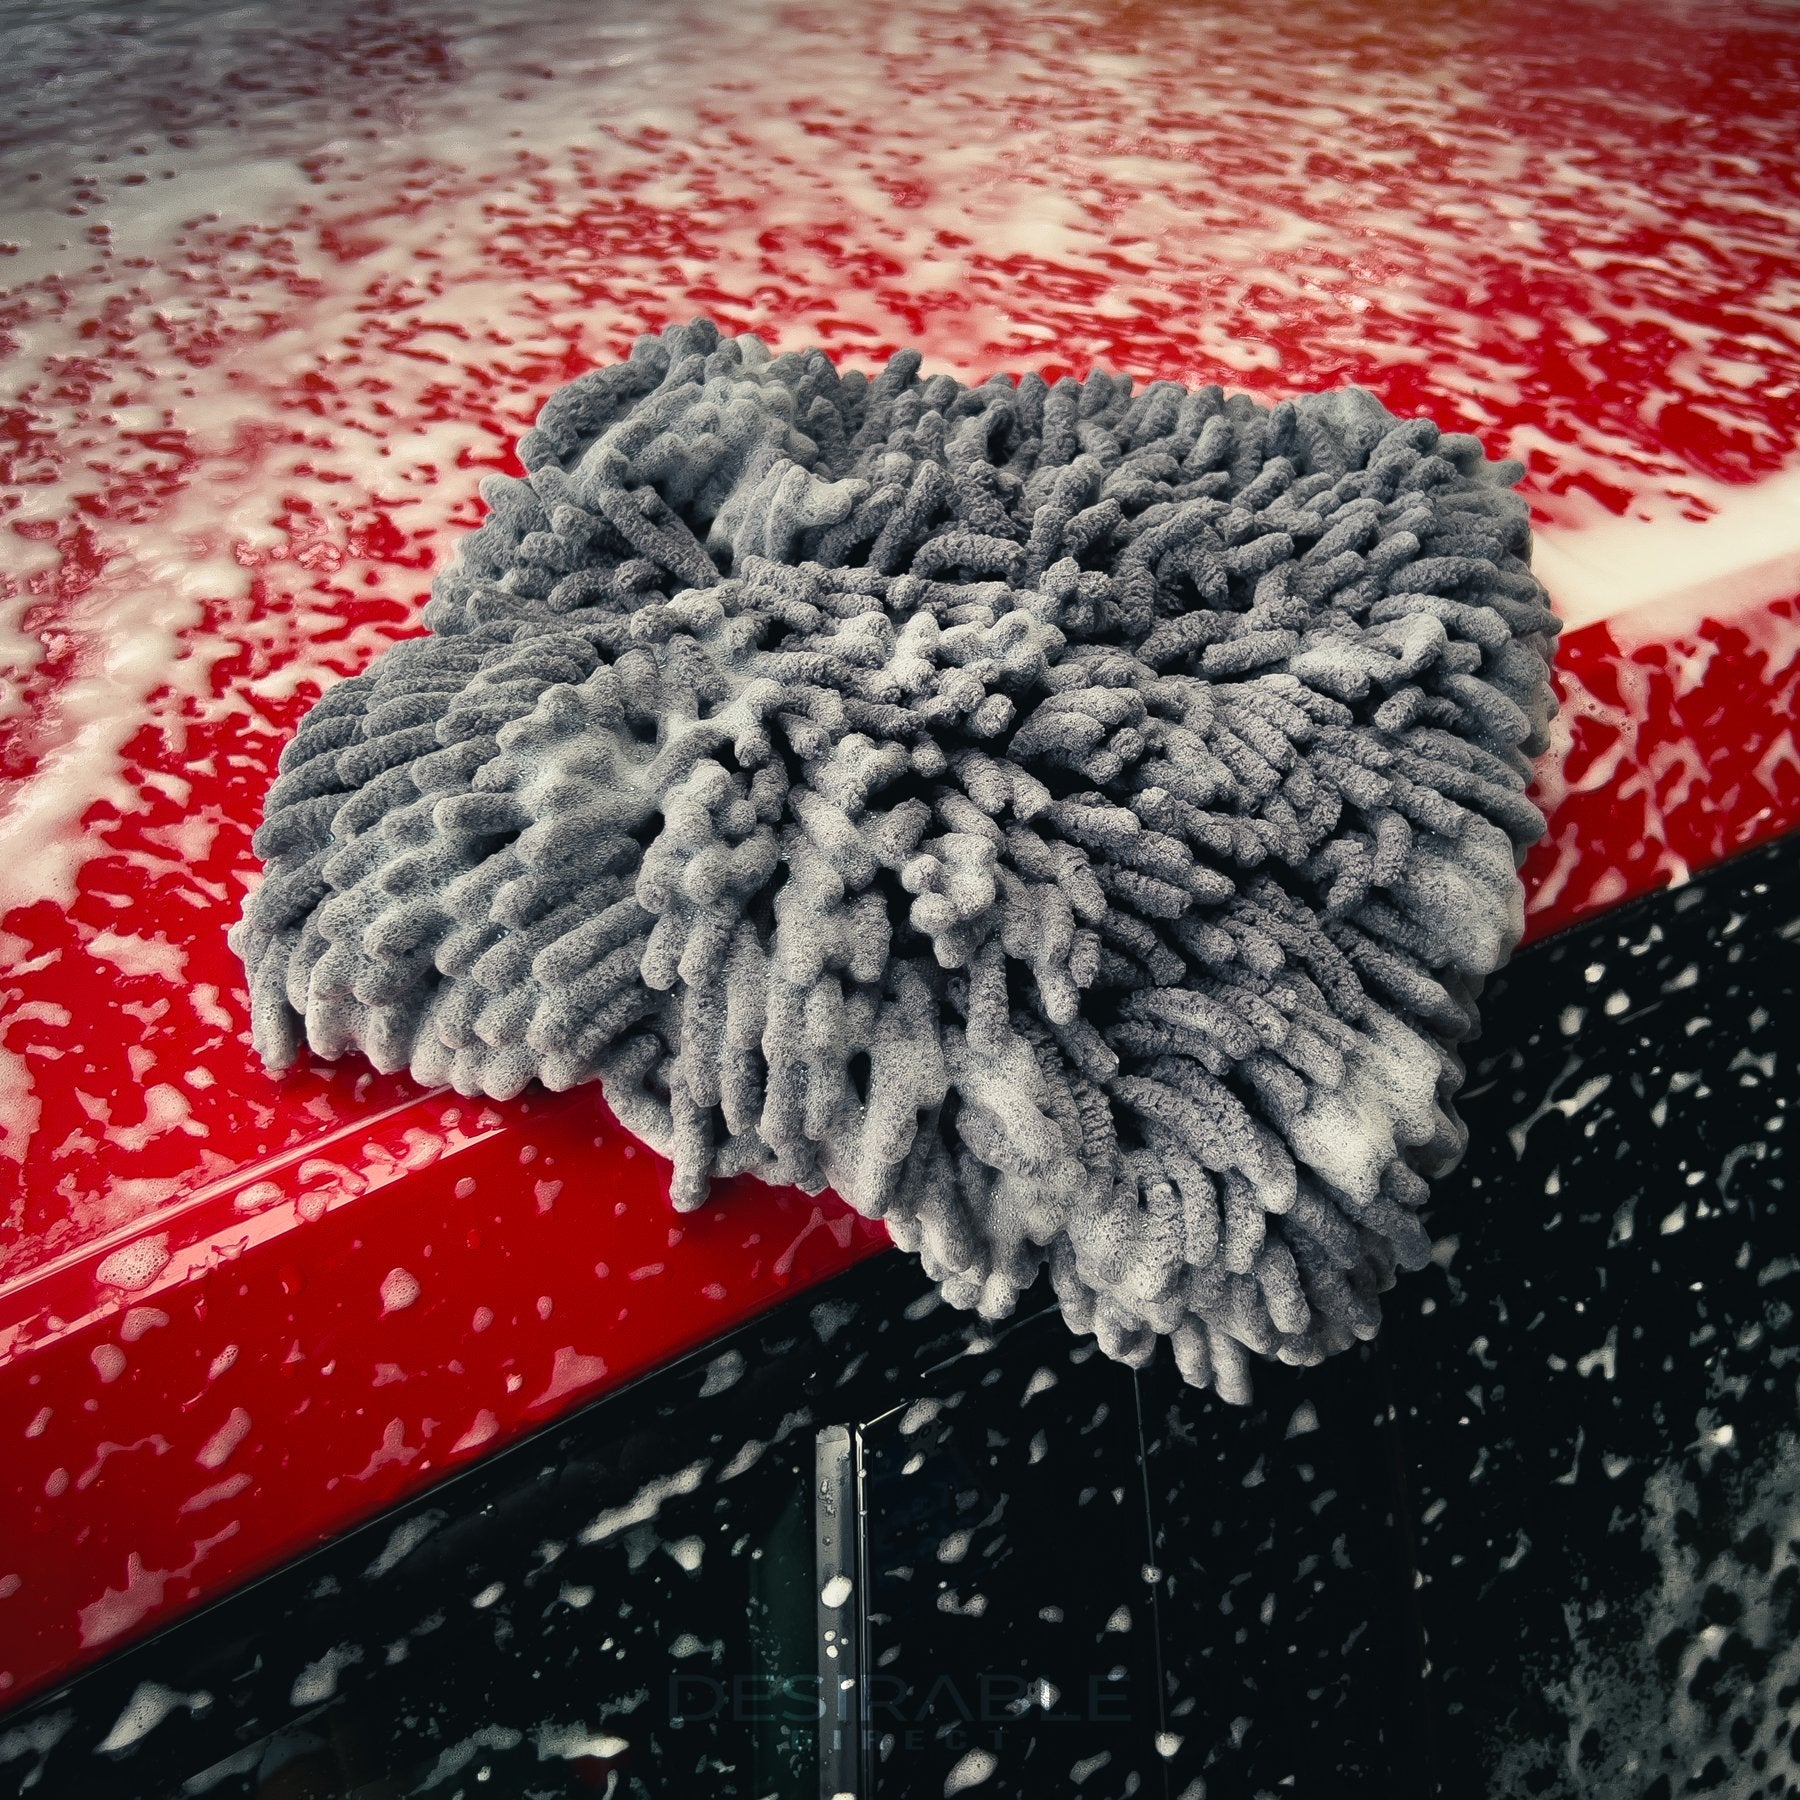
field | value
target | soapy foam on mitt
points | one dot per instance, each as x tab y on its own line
1073	824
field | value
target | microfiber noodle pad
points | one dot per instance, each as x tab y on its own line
1073	824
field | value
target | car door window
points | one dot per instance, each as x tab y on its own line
633	1617
1011	1634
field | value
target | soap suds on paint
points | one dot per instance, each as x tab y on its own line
241	517
1657	578
399	1290
1145	191
138	955
137	1264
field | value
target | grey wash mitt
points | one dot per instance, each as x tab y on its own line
1074	825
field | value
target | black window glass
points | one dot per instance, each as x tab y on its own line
1011	1644
628	1612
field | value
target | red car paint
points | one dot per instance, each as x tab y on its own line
238	1314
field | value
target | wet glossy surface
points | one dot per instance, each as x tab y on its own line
244	1400
1540	1538
1583	1417
1600	1387
279	287
1007	1544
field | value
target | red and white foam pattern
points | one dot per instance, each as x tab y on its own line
281	282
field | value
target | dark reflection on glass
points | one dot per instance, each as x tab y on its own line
775	1705
522	1649
1012	1631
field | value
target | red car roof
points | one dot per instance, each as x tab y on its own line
272	309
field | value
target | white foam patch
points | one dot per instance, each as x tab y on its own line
35	1738
119	1609
1658	578
403	1540
218	1449
570	1743
135	955
137	1264
148	1706
970	1771
20	1107
399	1290
644	1507
318	1681
1636	1693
